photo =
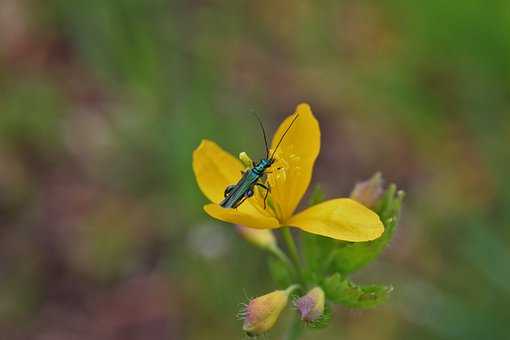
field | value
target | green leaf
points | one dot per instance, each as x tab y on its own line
343	291
348	257
280	272
316	250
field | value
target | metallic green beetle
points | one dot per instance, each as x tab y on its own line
236	194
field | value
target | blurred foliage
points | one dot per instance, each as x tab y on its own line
101	103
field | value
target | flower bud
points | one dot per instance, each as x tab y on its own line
245	159
262	312
263	238
369	191
311	305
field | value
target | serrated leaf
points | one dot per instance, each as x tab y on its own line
280	273
343	291
348	256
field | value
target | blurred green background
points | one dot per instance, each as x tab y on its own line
102	233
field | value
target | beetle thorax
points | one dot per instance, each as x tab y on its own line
262	165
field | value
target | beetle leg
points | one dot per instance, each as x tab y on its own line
268	190
267	187
270	172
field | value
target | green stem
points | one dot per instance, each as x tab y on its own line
282	256
291	245
295	329
294	254
329	260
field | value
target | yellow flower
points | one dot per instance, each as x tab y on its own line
340	218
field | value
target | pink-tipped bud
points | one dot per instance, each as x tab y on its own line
368	192
263	238
311	305
262	312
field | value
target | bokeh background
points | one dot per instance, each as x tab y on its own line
102	233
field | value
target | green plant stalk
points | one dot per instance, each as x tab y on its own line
294	254
295	329
282	256
291	245
328	261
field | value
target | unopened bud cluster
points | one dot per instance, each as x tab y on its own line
368	192
261	313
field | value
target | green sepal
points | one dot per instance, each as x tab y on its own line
280	272
317	196
323	321
318	254
348	257
343	291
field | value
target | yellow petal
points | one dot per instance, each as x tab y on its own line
341	219
245	215
215	169
296	155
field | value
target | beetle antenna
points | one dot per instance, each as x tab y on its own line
281	139
263	133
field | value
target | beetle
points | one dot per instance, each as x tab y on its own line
236	194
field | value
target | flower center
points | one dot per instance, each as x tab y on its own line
286	169
279	201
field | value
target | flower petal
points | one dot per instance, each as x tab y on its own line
341	219
215	169
248	216
296	156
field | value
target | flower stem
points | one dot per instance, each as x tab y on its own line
295	329
329	260
291	246
282	256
